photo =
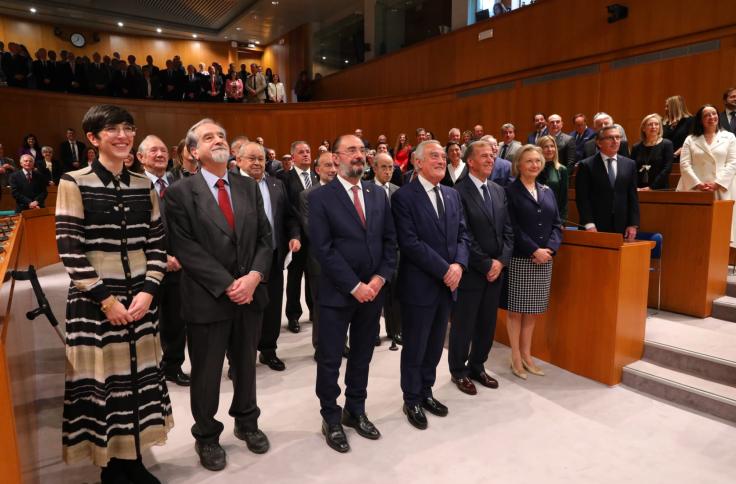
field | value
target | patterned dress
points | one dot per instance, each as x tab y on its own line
111	241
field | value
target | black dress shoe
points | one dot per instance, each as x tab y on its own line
272	361
137	472
294	326
361	424
434	407
346	351
335	437
415	415
114	473
211	455
378	340
179	377
399	340
393	346
485	379
256	441
464	385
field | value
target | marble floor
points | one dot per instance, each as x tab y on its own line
561	428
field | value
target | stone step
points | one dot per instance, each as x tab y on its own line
731	285
708	397
725	308
707	352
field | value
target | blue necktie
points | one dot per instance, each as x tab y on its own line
487	199
611	173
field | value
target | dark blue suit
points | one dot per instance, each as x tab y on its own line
428	247
536	223
501	173
348	253
580	141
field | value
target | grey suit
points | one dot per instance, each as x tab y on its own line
510	152
566	149
314	271
391	305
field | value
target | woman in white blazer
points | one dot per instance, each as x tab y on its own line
708	160
276	90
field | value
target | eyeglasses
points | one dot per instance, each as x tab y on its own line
127	129
352	151
611	138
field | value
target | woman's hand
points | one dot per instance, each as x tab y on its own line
118	315
542	256
139	306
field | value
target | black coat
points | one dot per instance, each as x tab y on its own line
24	192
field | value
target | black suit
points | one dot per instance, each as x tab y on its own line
172	84
43	72
67	156
566	149
98	79
313	270
725	122
474	314
298	264
611	209
26	192
212	256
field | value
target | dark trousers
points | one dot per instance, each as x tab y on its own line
363	321
297	268
423	331
272	313
392	309
207	346
171	327
313	273
473	321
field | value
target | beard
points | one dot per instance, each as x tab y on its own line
220	155
352	170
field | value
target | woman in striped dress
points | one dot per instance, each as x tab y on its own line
111	241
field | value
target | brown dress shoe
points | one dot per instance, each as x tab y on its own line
465	385
485	379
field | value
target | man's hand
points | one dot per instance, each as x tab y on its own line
376	283
630	233
495	270
33	204
452	276
591	229
172	264
139	306
241	291
364	293
295	245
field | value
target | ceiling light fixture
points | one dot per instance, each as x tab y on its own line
324	58
158	29
33	10
120	24
238	29
258	42
275	2
347	61
194	36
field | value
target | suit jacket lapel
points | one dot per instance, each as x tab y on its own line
209	206
346	201
475	196
600	170
239	201
427	204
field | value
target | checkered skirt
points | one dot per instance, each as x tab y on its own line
527	286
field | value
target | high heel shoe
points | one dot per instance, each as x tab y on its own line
532	368
518	373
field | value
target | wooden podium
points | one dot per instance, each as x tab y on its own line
598	306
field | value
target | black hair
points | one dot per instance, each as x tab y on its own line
698	129
97	117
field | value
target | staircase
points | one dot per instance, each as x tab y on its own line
691	362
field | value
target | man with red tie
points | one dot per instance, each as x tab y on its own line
28	185
220	234
154	156
354	241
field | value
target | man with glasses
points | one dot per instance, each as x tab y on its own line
605	189
354	241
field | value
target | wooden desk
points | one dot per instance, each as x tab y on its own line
696	229
7	202
595	323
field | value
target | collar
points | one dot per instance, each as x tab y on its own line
106	176
155	178
382	185
347	185
211	178
426	184
476	181
299	171
614	157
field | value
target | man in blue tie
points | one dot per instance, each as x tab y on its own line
434	253
353	238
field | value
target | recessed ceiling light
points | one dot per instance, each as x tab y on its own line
158	29
274	2
194	36
238	29
33	9
324	58
347	61
258	42
120	24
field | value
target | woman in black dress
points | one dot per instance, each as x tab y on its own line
653	155
554	174
677	123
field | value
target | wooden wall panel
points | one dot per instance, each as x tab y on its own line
36	34
290	57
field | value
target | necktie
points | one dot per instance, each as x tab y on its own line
487	198
611	173
358	207
74	150
162	187
440	205
388	193
733	121
28	176
223	199
504	150
307	180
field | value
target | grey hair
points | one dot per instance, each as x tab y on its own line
381	156
419	152
292	149
454	129
193	139
488	138
47	148
602	115
144	143
241	151
238	140
508	126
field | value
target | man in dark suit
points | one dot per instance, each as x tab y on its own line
73	153
605	188
491	245
540	128
98	77
172	82
326	169
565	142
582	134
251	161
153	155
383	166
221	237
43	71
727	117
353	236
601	120
434	253
298	179
28	185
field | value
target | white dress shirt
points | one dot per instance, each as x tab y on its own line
429	188
349	189
614	165
456	172
299	172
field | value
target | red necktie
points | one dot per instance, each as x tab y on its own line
358	207
213	84
162	188
28	176
223	199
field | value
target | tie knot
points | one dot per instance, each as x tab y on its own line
162	182
355	188
220	183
